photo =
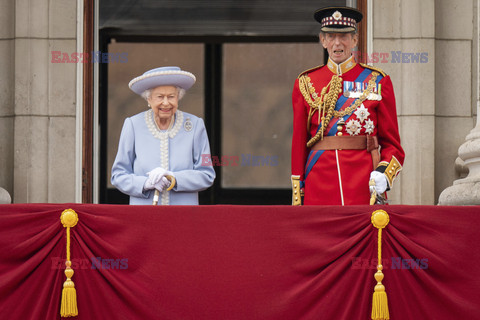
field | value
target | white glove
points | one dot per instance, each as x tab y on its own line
154	177
148	185
163	184
156	174
380	182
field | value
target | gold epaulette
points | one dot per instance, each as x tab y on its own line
374	69
310	70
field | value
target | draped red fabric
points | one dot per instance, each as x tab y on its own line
239	262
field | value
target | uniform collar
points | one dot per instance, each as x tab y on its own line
343	67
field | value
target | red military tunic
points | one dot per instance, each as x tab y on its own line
341	177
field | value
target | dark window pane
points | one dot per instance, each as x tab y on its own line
257	110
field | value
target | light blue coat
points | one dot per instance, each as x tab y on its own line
180	149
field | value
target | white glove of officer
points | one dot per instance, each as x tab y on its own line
163	184
380	182
154	177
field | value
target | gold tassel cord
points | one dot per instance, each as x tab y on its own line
325	102
68	308
380	219
328	102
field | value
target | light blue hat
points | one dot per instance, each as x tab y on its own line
164	76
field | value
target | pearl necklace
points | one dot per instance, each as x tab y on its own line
163	136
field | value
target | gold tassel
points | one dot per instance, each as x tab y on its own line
380	220
68	308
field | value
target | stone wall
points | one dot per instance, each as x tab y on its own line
7	93
38	109
455	83
434	94
466	189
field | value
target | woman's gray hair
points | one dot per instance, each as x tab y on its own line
147	93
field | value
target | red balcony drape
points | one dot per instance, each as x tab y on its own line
239	262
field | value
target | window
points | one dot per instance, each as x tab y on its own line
245	55
256	110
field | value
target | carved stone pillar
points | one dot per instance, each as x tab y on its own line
466	191
5	196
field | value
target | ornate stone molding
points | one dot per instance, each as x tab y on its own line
5	196
466	191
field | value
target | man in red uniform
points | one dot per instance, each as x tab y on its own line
345	130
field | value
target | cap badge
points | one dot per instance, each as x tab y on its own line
337	15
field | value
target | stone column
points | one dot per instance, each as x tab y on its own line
5	196
7	90
466	191
403	29
44	125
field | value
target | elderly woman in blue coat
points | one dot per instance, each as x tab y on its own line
161	149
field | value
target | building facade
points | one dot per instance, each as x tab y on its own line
429	48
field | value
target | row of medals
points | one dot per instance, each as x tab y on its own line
353	89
